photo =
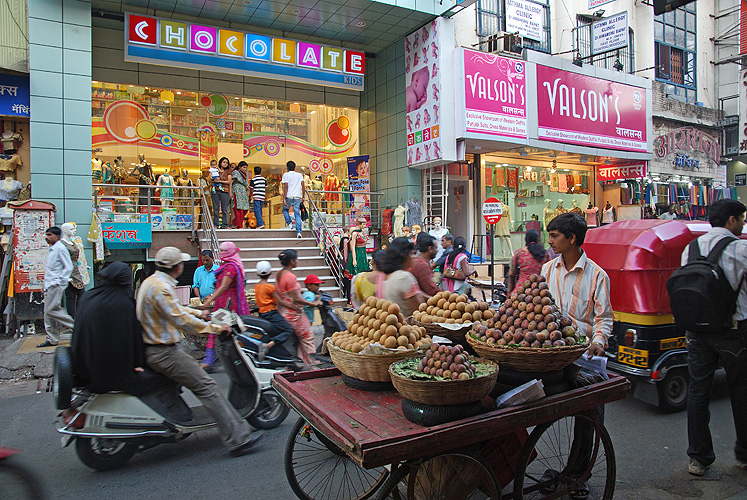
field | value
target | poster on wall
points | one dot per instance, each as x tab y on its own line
495	94
30	249
610	33
525	18
578	109
359	183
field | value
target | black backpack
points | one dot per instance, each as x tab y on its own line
701	298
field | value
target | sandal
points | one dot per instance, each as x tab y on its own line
581	491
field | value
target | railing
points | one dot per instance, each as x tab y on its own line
344	203
208	229
325	237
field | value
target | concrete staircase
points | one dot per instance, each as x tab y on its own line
265	244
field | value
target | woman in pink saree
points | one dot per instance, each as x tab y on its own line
290	290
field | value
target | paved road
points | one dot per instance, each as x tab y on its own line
650	449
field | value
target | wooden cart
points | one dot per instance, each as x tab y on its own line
351	444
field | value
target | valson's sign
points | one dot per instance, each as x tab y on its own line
175	43
632	170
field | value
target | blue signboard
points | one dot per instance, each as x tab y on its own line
15	97
118	235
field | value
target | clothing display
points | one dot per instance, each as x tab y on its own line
399	220
503	226
592	216
386	222
10	140
560	210
166	183
548	214
361	259
438	233
9	189
414	213
82	261
608	215
9	163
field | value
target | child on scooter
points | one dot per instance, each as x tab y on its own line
267	298
311	294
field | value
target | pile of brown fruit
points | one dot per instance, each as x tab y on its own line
528	318
450	307
380	321
448	362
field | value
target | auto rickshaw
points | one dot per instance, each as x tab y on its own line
646	345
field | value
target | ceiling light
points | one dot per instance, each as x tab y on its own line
583	159
607	161
478	148
523	152
296	11
178	93
529	168
566	170
505	164
312	112
361	24
247	2
189	109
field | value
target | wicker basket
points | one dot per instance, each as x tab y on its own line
455	335
446	392
529	359
369	367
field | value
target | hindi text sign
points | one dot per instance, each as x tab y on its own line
492	210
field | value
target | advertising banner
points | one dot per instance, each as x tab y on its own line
579	109
629	170
610	33
359	183
495	94
15	97
127	234
593	4
526	18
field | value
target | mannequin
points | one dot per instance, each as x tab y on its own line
559	208
414	231
357	260
608	216
145	178
406	232
414	214
167	193
576	209
547	213
317	185
438	232
399	220
96	165
591	214
183	198
332	183
76	287
10	141
9	188
503	232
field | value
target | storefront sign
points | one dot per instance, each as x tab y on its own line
15	97
526	18
740	179
686	140
127	234
172	43
633	170
610	33
492	210
720	180
593	4
580	109
495	94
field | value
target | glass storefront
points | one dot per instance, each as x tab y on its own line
180	131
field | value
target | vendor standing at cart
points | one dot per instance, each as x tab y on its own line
581	289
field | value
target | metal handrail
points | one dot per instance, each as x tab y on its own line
208	229
330	252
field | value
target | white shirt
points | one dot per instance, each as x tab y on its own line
667	216
733	262
294	180
59	266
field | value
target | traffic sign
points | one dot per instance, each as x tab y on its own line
492	210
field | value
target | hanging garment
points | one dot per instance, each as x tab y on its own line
386	223
562	184
414	213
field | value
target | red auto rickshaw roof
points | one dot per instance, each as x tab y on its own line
639	256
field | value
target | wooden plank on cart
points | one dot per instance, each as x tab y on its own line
370	426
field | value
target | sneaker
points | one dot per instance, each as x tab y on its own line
740	464
696	468
261	227
262	352
254	439
299	236
289	226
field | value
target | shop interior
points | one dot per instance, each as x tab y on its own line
154	131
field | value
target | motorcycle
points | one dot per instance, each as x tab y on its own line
16	480
108	429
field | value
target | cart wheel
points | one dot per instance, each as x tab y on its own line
673	391
317	469
459	474
550	462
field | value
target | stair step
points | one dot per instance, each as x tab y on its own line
270	254
275	243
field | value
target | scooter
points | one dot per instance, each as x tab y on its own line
16	480
108	429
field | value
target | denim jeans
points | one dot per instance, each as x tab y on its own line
295	204
258	212
704	351
220	206
283	330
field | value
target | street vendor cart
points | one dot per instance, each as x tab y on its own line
352	444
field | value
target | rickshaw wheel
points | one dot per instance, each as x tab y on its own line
673	391
458	475
318	470
549	465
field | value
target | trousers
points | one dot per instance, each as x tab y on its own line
282	328
295	204
704	351
220	208
72	296
182	368
56	319
258	212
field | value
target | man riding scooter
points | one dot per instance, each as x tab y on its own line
163	319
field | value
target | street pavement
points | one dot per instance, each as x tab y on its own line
650	449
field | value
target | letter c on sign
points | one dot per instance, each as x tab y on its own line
204	40
139	27
230	44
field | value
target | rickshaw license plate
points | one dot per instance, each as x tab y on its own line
675	343
633	357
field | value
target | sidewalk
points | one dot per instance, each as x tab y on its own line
21	359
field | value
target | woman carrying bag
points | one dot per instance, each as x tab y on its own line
457	268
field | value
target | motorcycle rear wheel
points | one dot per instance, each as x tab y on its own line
104	453
271	412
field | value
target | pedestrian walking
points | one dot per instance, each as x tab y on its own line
241	202
258	184
293	193
57	274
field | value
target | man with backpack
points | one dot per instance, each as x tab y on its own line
716	323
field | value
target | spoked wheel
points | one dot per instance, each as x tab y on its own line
564	456
104	453
451	476
318	470
18	482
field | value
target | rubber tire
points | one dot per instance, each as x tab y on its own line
269	402
366	385
403	471
86	454
62	383
529	454
675	382
429	415
338	456
30	483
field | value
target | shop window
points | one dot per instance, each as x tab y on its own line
675	49
620	60
491	22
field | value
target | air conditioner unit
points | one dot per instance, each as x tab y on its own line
504	42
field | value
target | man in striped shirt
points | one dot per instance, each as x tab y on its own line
581	290
258	184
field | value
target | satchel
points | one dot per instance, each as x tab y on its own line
304	213
454	273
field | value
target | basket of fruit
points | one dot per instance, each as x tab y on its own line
445	376
529	333
450	315
376	337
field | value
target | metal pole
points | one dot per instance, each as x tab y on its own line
492	263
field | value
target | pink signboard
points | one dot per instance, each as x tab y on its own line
580	109
631	170
495	94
